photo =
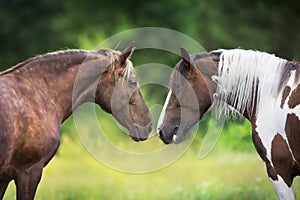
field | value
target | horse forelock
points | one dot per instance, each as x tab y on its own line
246	78
113	56
287	71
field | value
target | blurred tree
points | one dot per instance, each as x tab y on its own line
271	26
30	27
27	29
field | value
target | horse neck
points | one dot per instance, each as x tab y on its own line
247	80
229	105
55	78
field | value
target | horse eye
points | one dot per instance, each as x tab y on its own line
132	82
177	104
131	102
123	63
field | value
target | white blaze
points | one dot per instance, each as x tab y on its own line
162	114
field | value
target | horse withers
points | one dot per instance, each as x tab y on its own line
37	95
262	87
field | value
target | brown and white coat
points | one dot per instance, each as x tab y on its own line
262	87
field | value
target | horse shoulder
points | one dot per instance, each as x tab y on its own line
29	134
276	135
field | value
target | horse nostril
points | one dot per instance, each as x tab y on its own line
159	133
162	137
176	129
136	139
149	129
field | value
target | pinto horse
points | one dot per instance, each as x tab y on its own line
263	88
39	94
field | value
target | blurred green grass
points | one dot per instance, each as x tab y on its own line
233	170
224	174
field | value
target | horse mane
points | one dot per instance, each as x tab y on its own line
245	79
70	57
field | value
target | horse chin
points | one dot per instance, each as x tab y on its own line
137	139
178	138
138	133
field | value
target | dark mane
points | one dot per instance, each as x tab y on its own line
286	72
70	57
210	55
213	56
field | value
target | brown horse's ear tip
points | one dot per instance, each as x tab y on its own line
184	54
131	44
129	49
183	51
182	48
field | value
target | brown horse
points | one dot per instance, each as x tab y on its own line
263	88
40	93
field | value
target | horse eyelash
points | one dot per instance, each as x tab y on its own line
121	74
131	102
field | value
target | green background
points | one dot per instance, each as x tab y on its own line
233	170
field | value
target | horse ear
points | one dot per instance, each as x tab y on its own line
127	52
186	58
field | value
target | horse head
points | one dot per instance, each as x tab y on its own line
118	93
190	95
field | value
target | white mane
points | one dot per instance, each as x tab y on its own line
241	75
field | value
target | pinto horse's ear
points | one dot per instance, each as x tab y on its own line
127	52
186	58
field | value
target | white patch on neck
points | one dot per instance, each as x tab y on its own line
163	112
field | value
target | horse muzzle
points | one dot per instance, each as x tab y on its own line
140	133
168	135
